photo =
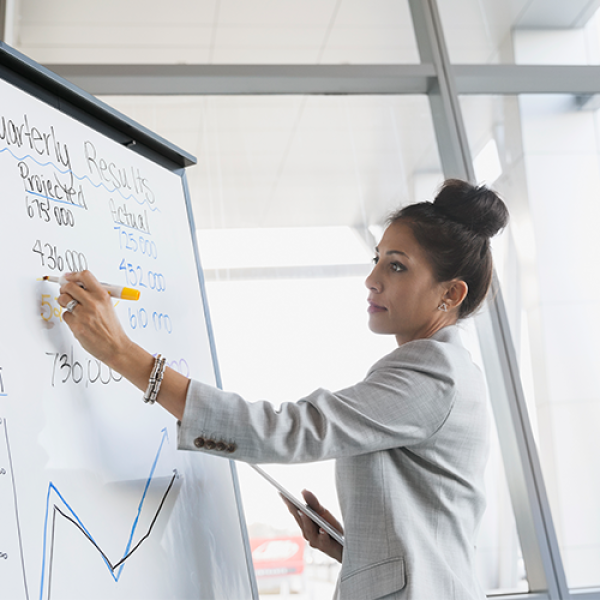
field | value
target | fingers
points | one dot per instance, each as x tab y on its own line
310	530
93	320
87	280
312	501
312	533
80	286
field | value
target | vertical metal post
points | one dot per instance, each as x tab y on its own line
8	22
3	9
443	99
543	563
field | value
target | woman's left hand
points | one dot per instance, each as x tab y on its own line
313	534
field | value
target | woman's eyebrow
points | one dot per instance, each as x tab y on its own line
389	252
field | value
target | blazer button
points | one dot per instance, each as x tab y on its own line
199	442
220	446
231	448
210	444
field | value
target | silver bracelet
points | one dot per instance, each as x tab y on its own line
155	380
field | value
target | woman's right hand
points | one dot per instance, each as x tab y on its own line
313	534
93	320
95	324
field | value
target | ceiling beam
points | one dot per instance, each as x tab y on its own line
135	80
247	79
527	79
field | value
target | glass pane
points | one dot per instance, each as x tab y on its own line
216	32
500	564
291	161
548	150
521	31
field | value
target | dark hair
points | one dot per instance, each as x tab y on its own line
455	231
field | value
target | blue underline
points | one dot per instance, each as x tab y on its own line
69	171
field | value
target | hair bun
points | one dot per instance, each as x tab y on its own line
477	208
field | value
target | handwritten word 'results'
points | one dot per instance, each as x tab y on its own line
39	142
124	216
120	177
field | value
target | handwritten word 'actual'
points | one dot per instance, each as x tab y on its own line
85	371
123	216
53	259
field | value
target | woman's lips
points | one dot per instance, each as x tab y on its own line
375	308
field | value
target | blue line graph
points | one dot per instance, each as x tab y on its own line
116	569
84	177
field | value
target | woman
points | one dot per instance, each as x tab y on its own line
410	439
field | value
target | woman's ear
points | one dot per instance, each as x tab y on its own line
456	292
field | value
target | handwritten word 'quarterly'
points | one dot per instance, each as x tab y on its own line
43	143
122	215
119	176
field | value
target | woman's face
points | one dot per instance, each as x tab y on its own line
403	293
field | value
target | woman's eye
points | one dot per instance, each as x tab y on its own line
398	267
375	260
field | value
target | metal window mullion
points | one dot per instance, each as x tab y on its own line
443	99
539	544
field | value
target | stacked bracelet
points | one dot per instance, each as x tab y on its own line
155	380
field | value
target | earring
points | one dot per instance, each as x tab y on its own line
443	307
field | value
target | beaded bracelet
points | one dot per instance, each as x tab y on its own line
155	380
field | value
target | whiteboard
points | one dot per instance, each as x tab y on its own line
96	502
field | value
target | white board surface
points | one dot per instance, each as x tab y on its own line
96	502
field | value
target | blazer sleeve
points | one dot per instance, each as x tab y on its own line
405	398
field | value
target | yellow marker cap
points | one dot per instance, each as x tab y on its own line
130	294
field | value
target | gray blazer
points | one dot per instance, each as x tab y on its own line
411	443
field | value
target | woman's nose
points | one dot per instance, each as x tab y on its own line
372	282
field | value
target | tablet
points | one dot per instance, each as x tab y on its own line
307	510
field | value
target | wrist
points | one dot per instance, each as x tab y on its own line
134	363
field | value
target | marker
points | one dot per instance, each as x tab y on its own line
115	291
